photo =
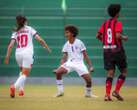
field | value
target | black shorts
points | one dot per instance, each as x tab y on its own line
112	59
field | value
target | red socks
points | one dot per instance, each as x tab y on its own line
119	83
108	85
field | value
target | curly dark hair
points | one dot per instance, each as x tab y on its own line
73	29
113	9
20	20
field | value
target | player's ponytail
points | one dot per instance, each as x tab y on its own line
20	20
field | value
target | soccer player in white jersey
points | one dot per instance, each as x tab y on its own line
23	36
74	52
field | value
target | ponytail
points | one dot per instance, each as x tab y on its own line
20	20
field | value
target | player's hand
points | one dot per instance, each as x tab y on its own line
49	50
6	61
54	71
125	38
91	69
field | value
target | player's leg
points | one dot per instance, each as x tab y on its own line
82	71
21	89
60	87
121	80
109	80
122	65
19	60
21	80
19	84
25	63
88	81
119	83
25	73
109	66
20	71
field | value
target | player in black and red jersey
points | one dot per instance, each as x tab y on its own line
110	34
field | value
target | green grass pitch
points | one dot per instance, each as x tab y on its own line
41	97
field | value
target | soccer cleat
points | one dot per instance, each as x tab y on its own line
94	96
107	98
116	95
87	95
91	96
21	92
12	91
59	94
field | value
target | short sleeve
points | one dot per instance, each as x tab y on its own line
101	29
14	35
82	46
65	49
33	31
118	27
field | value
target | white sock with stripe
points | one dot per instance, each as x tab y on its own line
60	86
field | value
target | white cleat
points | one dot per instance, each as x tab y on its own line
91	96
88	96
59	94
94	96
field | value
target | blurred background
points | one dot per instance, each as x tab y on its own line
48	17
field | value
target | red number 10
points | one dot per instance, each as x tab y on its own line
22	41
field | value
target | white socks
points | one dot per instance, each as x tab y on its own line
87	91
20	81
60	86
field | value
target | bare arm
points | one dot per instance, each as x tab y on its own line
42	42
64	58
90	67
99	36
120	36
9	49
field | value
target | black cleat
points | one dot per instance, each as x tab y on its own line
116	95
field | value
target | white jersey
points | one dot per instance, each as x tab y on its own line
24	39
74	50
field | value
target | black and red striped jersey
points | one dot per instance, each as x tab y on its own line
108	30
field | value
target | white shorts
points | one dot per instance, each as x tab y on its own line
24	60
79	67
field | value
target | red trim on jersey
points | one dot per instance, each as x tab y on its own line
35	34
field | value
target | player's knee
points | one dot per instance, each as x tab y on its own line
109	79
87	79
58	73
88	83
25	71
110	73
124	72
